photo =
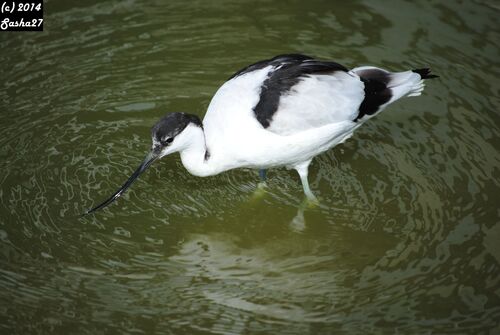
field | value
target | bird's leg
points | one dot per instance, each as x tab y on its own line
260	191
263	175
303	170
263	178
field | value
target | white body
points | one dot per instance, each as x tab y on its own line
315	115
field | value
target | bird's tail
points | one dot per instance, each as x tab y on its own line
383	87
409	83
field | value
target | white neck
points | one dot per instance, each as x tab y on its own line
194	154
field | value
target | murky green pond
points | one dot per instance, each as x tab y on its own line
406	239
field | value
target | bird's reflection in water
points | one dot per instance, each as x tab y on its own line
298	222
273	272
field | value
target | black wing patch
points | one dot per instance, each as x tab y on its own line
290	69
376	91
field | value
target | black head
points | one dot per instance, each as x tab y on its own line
171	125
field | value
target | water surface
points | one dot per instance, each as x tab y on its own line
406	237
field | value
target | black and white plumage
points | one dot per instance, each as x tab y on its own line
278	112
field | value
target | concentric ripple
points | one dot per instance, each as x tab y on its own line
404	240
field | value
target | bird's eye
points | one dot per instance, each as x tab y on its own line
167	141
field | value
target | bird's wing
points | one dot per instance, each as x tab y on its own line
321	93
291	93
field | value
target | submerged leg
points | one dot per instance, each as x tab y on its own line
260	191
263	179
263	175
303	170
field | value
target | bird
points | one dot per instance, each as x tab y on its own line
281	111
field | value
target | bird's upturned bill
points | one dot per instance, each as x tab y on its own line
150	158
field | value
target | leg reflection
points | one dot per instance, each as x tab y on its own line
298	223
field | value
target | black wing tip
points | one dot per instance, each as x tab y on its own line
425	73
289	57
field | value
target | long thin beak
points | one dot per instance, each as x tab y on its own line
150	158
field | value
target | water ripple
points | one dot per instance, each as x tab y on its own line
404	239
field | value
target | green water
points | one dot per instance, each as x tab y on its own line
405	241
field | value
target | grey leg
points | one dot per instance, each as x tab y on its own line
303	170
263	175
260	191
